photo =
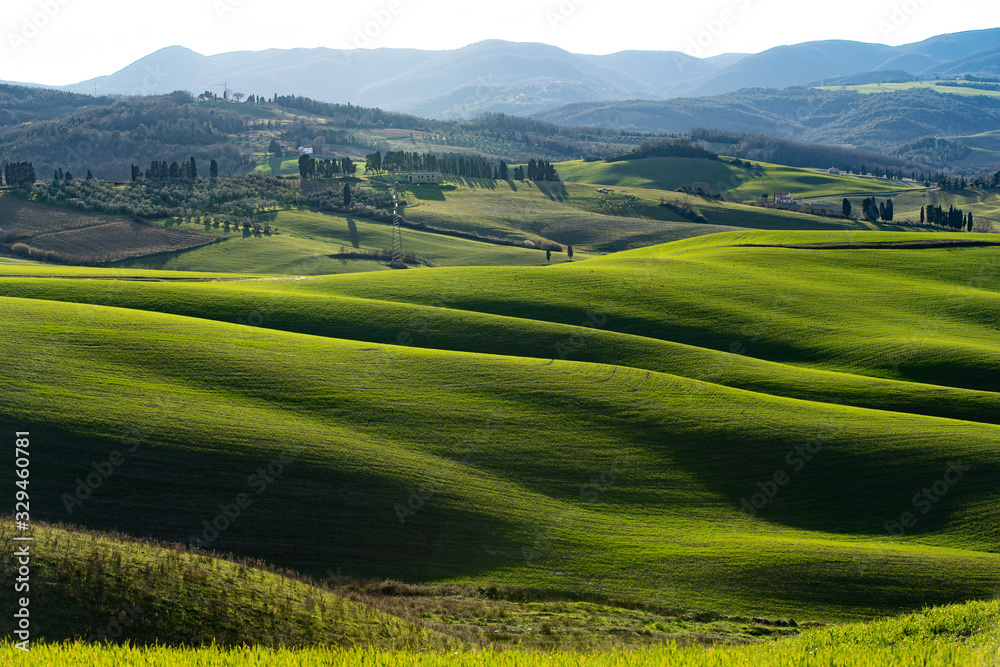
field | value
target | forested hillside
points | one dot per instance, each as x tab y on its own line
873	122
106	136
108	139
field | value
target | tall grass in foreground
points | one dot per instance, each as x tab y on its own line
966	634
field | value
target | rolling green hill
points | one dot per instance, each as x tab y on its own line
663	173
590	218
312	242
108	588
983	204
723	178
293	230
594	426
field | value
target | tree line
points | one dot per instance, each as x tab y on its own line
680	147
953	217
160	169
310	167
986	182
458	165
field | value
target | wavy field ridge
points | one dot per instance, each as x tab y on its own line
705	424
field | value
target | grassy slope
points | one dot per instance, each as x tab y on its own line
577	214
658	173
566	213
820	308
985	151
498	492
813	183
107	588
279	167
287	306
308	239
672	173
984	205
966	634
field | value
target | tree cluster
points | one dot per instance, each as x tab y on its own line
158	169
468	166
157	198
953	217
680	147
985	181
797	154
19	104
19	174
310	167
873	210
541	170
348	115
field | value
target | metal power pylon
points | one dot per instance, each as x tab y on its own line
397	236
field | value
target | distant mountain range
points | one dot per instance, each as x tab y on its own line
878	122
525	79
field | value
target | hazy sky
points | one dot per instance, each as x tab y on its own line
64	41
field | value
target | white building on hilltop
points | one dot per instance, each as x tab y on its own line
424	177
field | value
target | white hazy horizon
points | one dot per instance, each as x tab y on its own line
58	42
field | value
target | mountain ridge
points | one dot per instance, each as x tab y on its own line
526	78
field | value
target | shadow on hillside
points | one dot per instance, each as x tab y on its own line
311	515
352	230
554	190
427	192
475	183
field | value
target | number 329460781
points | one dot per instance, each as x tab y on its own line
21	454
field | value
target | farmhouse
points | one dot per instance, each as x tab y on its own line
424	177
305	150
783	198
833	170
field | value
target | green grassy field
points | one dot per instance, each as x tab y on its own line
934	85
309	240
593	427
658	173
957	635
814	183
722	177
591	218
583	216
279	166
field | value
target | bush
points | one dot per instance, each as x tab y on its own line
24	250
